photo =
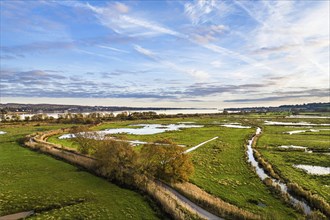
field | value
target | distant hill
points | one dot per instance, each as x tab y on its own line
309	107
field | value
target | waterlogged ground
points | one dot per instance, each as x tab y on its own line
220	165
57	190
300	154
140	129
222	170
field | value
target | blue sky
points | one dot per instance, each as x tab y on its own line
165	53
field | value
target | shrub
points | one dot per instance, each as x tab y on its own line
116	160
167	162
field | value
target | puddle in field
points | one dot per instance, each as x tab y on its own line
137	142
302	131
292	146
144	129
263	175
306	150
296	147
294	123
150	129
314	170
306	116
235	125
3	132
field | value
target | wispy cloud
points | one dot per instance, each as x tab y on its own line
113	49
197	74
202	11
210	51
113	17
121	7
97	54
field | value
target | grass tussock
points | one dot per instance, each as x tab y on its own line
169	202
267	166
313	199
316	215
212	203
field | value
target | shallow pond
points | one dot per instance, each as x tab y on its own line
294	123
150	129
144	129
306	116
235	125
303	131
295	147
292	146
314	170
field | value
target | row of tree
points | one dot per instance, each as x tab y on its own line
120	162
94	117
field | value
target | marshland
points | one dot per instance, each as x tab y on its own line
217	149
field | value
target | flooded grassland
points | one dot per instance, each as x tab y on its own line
221	150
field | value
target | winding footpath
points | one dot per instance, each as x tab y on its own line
20	215
201	212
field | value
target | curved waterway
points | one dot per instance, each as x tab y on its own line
263	175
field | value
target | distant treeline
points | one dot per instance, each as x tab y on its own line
309	107
37	108
93	118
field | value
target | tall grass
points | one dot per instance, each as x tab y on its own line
212	203
313	199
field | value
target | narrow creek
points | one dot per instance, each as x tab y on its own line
263	175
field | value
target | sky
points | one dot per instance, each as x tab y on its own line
165	53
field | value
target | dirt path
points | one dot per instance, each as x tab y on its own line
202	212
20	215
201	144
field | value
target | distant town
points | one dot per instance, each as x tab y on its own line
56	108
309	107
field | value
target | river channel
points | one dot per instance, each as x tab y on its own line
263	175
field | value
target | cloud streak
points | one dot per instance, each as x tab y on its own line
222	52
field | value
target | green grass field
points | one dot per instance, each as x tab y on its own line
220	166
283	160
222	170
57	190
274	136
